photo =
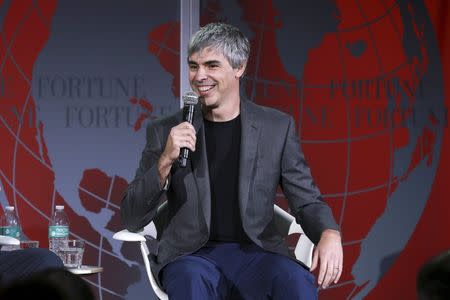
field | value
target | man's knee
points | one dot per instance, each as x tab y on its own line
297	283
189	270
192	277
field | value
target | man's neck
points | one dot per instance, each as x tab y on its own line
222	113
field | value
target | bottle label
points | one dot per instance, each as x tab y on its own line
58	231
12	231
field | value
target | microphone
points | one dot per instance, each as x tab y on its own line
190	99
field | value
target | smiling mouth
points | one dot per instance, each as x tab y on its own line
205	88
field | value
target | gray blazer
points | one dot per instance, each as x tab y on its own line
270	156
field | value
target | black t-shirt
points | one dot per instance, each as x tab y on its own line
223	141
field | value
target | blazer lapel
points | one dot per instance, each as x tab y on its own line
199	165
249	145
248	150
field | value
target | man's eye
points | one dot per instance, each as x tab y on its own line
213	66
193	67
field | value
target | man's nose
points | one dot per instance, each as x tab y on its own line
200	74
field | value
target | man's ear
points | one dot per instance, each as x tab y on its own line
241	70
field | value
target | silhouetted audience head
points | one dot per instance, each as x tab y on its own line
55	284
433	279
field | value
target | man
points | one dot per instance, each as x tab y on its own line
433	278
20	264
220	240
51	283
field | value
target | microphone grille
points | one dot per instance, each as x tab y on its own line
190	98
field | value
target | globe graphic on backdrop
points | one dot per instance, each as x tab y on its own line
49	157
309	61
301	63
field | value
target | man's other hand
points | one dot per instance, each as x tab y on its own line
329	256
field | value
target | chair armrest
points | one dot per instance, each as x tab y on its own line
295	228
127	236
304	250
283	220
149	230
7	240
287	225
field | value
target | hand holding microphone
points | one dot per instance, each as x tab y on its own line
190	99
181	140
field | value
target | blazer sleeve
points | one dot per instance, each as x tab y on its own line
304	198
142	197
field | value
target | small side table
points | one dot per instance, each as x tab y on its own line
86	270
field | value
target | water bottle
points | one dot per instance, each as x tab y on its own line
58	230
10	225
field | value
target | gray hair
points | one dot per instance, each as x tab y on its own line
226	38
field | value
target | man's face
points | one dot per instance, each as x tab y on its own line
212	77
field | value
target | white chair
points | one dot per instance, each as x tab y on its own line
285	223
8	243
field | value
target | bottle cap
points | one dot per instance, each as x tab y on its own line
59	207
9	208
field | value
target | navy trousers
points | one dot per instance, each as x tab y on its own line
19	264
234	271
